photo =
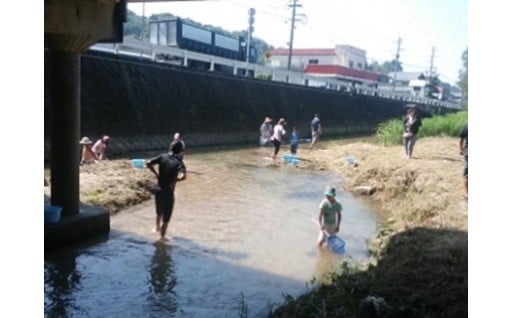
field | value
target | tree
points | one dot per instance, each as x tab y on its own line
386	67
133	25
463	79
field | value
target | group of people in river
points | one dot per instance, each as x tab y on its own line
329	211
172	169
274	135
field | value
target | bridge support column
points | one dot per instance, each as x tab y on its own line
65	130
70	28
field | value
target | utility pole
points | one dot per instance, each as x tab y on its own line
294	7
250	30
431	71
397	56
430	75
143	19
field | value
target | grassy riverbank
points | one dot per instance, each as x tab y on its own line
419	259
419	264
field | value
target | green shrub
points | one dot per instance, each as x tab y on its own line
389	133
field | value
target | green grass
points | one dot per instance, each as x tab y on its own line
421	272
389	133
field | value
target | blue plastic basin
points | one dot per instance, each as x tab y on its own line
138	163
52	214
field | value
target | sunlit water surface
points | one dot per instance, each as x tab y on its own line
241	238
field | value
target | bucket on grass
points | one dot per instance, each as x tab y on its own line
350	160
138	163
52	213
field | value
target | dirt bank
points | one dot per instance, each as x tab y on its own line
419	265
426	190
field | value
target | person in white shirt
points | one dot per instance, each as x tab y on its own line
100	146
277	137
265	131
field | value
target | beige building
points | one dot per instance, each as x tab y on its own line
342	55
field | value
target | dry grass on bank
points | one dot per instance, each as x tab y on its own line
113	184
425	190
419	265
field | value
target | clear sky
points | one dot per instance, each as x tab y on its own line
433	30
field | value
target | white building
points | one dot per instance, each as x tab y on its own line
342	55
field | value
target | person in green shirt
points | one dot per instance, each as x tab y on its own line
329	215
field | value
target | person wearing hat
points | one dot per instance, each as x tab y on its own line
412	124
265	131
171	169
88	156
100	146
329	215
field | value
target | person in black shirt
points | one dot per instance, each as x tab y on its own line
171	169
463	150
412	124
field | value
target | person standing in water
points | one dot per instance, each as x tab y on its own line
294	140
265	131
277	137
329	215
316	131
171	169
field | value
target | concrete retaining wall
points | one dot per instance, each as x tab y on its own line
140	104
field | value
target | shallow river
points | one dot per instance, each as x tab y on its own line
241	239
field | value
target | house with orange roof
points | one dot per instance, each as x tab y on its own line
343	62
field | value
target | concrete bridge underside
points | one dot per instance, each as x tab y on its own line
70	28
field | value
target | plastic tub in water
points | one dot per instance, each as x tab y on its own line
52	214
138	163
336	244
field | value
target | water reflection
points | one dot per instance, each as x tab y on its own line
61	280
162	298
161	269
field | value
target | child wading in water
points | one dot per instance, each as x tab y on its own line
294	141
329	215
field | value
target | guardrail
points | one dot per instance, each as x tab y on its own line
181	57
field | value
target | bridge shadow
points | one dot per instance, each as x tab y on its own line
421	273
176	278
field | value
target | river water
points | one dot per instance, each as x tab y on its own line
241	239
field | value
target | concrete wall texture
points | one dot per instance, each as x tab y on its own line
140	104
